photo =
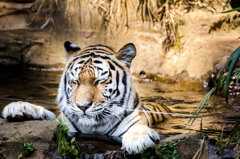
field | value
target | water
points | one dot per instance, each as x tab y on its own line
40	86
29	85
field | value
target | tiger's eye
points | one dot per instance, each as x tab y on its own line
74	82
97	82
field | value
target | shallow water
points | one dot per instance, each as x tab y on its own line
41	86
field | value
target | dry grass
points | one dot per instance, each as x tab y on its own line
116	14
168	14
44	10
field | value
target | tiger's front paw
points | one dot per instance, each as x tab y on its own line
19	111
139	138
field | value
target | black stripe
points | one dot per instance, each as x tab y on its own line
110	74
99	68
117	79
65	85
95	56
145	114
80	62
75	59
159	110
73	124
69	65
90	71
109	82
117	65
154	108
129	94
103	46
129	127
111	131
96	61
153	118
136	101
96	48
104	73
124	81
166	108
114	128
60	100
92	67
111	66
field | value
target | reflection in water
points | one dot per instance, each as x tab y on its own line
42	86
30	85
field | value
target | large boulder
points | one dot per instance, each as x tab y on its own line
39	133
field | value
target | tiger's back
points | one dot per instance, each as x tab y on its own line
157	112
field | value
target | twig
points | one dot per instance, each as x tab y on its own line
199	152
45	24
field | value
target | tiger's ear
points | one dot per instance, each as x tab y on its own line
126	54
70	49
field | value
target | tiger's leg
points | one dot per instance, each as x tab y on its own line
19	111
138	138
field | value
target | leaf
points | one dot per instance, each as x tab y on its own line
221	74
226	4
228	79
232	10
73	139
20	156
234	132
201	104
237	78
14	132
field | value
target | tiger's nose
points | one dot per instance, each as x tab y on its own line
83	107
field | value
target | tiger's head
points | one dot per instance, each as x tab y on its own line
96	92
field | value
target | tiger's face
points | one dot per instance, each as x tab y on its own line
95	90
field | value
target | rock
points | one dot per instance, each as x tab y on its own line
39	133
189	144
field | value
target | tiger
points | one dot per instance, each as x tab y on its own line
96	96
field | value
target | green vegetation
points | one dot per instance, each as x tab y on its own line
161	151
219	139
20	156
176	46
28	148
224	80
65	147
2	156
165	150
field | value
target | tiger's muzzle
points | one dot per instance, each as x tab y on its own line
83	107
